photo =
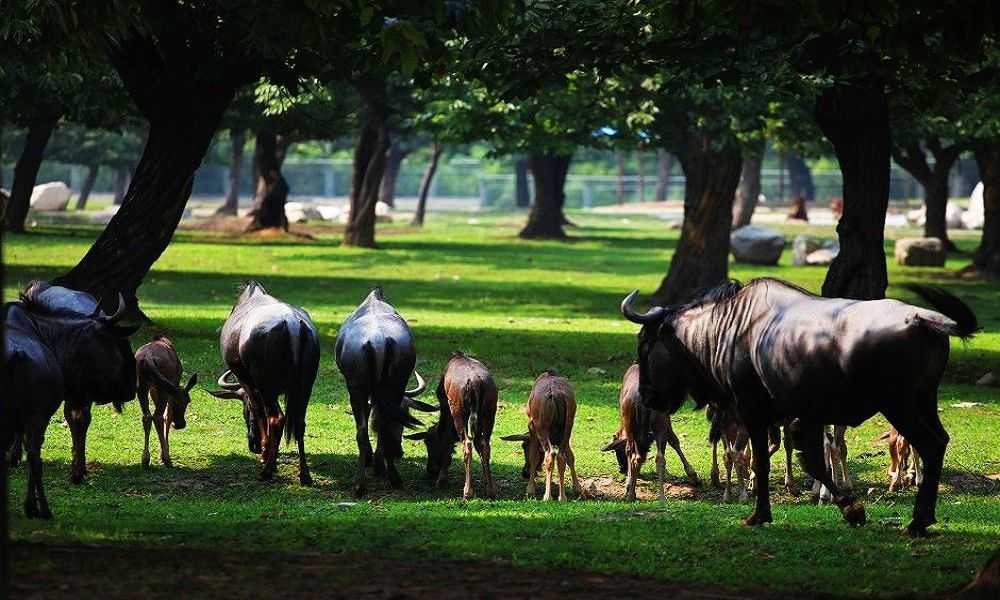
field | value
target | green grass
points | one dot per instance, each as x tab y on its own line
521	307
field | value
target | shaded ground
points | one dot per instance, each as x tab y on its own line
86	571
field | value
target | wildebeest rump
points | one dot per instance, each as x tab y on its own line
158	372
271	348
773	351
639	428
467	396
375	353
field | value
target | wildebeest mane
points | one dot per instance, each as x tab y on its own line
30	300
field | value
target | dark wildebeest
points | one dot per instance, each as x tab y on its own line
468	406
271	348
551	409
376	355
639	428
52	355
771	351
158	372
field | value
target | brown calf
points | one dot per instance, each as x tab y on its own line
639	428
551	409
735	440
158	373
468	401
899	461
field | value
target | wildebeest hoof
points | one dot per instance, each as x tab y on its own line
145	461
854	514
468	495
917	530
266	475
76	478
792	489
693	478
168	463
757	519
305	479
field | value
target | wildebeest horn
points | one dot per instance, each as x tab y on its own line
421	386
518	437
614	445
653	315
225	384
417	404
119	312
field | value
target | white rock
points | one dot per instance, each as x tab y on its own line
917	216
953	215
329	212
823	256
757	245
382	209
895	220
803	246
300	212
50	196
975	216
920	252
103	216
596	371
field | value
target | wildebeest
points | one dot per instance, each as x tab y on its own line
158	372
639	428
375	353
551	409
772	350
835	461
53	355
902	472
736	454
467	396
271	348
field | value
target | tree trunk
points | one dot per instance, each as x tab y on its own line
425	184
748	191
800	178
987	257
238	140
935	183
664	164
26	170
272	190
855	118
121	185
545	221
522	198
702	256
369	165
88	185
620	166
393	162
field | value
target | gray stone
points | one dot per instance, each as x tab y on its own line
300	212
50	196
953	215
823	256
976	215
803	246
987	379
920	252
756	245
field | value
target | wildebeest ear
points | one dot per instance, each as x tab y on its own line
416	436
419	405
614	445
518	437
191	382
226	394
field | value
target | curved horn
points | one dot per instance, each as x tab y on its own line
118	314
654	315
517	437
421	386
225	384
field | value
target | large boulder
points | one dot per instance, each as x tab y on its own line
975	216
756	245
50	196
953	215
329	212
824	256
300	212
920	252
802	246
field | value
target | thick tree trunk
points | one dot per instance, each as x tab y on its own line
545	221
664	163
855	118
620	168
800	178
26	170
88	185
393	162
987	257
271	194
238	140
522	197
935	183
702	256
748	190
425	184
369	165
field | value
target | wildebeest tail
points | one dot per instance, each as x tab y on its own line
297	396
388	408
557	429
950	306
471	395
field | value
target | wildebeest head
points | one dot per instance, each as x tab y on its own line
525	439
439	448
233	390
663	370
617	445
179	398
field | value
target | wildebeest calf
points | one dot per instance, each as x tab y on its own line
551	409
158	373
468	400
835	459
736	454
899	461
639	428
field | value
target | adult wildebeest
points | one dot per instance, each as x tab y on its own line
271	348
772	350
639	428
468	406
52	355
551	410
158	372
376	355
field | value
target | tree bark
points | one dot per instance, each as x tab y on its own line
987	257
748	190
522	198
393	162
88	185
238	140
425	184
26	170
664	163
369	165
545	221
855	118
935	183
271	194
702	256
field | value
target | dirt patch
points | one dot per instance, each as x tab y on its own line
236	225
85	571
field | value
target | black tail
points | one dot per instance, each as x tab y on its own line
950	306
388	408
471	394
558	427
300	386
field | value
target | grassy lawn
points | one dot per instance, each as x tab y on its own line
521	307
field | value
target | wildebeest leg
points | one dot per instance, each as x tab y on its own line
928	438
147	424
300	434
789	447
162	419
561	460
275	427
916	472
895	466
809	441
549	464
571	463
483	447
360	410
714	475
78	418
840	438
36	504
675	443
661	470
631	455
15	451
467	456
762	466
532	466
728	457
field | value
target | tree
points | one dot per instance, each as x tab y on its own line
425	184
912	156
748	190
93	148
